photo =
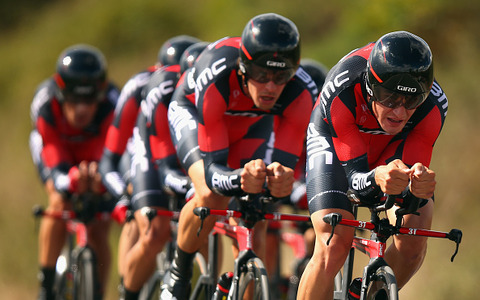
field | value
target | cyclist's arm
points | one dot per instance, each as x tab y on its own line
290	130
351	150
111	177
172	177
56	158
119	131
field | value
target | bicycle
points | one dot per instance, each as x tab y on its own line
378	278
248	268
76	268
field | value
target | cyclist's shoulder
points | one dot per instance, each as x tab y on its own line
164	76
134	85
345	75
438	97
44	95
219	56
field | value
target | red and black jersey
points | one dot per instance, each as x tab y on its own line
225	113
64	146
344	114
121	130
153	128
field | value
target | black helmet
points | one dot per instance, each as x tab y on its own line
81	74
172	49
190	55
270	41
400	64
316	70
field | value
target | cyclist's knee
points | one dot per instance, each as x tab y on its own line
212	200
157	235
412	249
330	258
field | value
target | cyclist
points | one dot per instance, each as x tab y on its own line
115	163
229	97
157	178
372	131
71	112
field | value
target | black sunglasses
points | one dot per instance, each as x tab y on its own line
264	75
393	99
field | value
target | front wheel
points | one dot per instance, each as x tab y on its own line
63	276
254	281
86	286
383	285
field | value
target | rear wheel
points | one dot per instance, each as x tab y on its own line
254	281
86	286
383	285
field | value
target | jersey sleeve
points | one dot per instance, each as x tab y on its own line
119	132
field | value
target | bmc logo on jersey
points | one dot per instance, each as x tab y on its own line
277	64
406	89
207	74
224	182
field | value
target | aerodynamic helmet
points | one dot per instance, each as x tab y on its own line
400	65
190	55
81	74
172	49
270	41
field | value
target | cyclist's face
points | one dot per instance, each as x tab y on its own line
392	120
79	114
264	95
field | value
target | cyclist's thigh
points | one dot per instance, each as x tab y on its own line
326	181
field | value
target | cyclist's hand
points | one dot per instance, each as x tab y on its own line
95	179
253	176
422	181
119	212
83	178
393	178
280	180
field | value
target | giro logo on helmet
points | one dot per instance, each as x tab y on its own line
406	89
83	90
277	64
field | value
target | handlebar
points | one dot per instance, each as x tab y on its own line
248	213
385	229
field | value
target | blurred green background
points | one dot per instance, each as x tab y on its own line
33	33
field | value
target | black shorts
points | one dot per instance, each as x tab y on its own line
147	189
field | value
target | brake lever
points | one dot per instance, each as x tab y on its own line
150	213
202	213
456	236
333	219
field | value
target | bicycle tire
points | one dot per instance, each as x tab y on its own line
152	288
294	279
85	278
203	282
255	273
383	285
63	285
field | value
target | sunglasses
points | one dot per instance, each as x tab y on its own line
83	99
264	75
392	99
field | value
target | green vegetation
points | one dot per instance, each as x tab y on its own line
130	33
